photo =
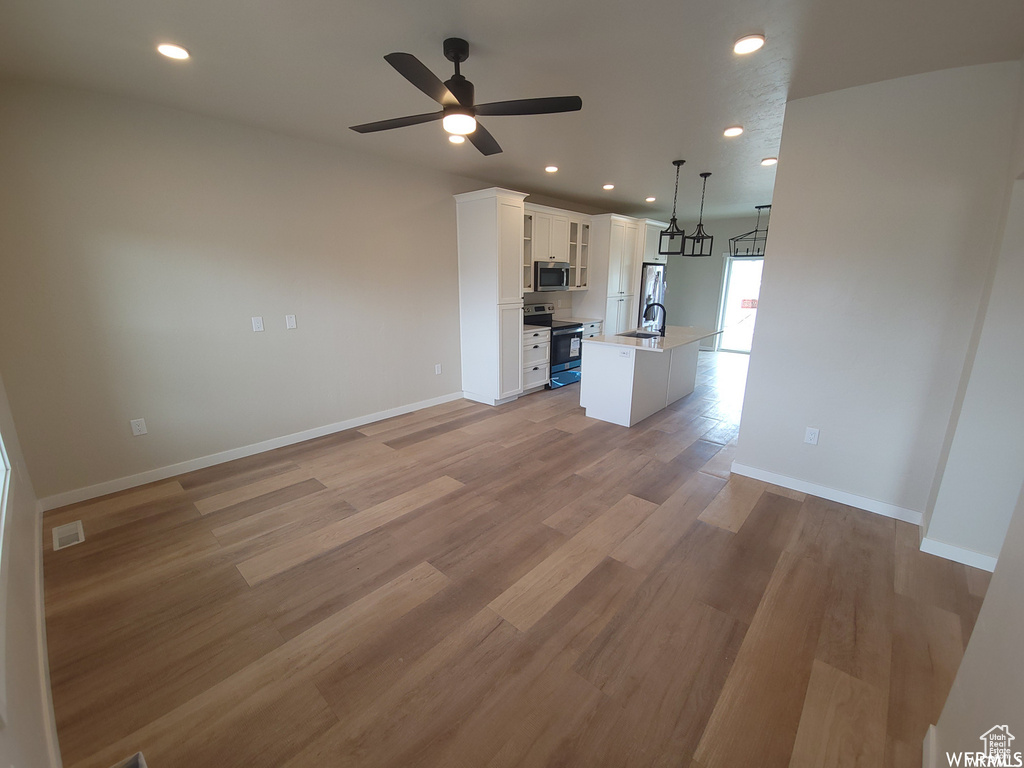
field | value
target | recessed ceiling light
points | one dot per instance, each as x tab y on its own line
551	169
172	51
749	44
650	199
608	186
735	130
770	161
455	138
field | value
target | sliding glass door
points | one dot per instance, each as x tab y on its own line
738	310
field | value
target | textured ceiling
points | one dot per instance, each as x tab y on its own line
658	78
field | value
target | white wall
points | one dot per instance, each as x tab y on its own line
137	241
27	737
887	206
988	685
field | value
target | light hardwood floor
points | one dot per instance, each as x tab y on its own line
516	586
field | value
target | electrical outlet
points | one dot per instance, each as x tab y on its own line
811	435
257	324
138	427
437	369
289	322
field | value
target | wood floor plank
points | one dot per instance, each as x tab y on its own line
843	722
757	715
658	534
279	560
535	594
251	491
730	508
265	681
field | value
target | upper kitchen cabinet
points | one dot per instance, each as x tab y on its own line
579	254
550	233
621	235
491	231
649	240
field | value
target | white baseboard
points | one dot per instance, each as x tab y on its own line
850	499
930	757
162	473
958	554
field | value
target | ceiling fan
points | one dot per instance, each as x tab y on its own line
458	113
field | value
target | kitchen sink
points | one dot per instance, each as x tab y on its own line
640	335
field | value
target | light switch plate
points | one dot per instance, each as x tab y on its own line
257	324
289	322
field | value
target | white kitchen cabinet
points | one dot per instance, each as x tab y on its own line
612	268
536	357
618	315
590	330
649	241
550	239
510	351
579	254
491	240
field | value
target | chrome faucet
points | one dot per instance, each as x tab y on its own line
664	314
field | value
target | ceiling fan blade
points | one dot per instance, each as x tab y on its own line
397	122
531	106
416	72
482	140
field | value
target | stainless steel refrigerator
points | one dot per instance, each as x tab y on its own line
652	290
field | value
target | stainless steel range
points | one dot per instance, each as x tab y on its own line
566	342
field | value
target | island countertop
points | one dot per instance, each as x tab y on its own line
675	336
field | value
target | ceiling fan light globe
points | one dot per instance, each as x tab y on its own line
459	123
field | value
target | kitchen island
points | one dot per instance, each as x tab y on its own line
626	378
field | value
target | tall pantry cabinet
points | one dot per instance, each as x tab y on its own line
613	267
490	226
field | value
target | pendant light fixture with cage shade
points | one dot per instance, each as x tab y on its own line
700	243
751	243
671	241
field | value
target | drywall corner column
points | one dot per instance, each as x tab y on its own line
874	272
985	467
28	737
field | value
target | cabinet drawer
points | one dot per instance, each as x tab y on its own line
535	376
536	354
592	329
542	336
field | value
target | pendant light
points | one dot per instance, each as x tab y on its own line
700	242
671	242
751	243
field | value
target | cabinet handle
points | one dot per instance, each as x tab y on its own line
536	368
536	346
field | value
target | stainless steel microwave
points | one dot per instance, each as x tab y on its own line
550	275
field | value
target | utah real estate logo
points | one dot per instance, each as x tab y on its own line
997	750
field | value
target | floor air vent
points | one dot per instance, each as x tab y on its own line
68	535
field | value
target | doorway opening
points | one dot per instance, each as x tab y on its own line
738	308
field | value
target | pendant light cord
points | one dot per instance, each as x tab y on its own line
702	191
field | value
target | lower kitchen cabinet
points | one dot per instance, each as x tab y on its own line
590	330
510	350
536	357
618	315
